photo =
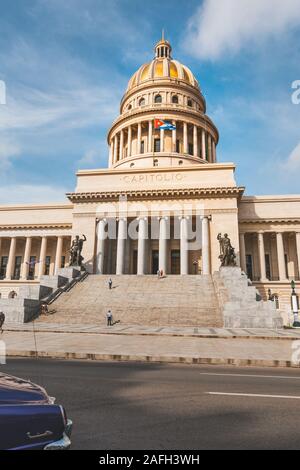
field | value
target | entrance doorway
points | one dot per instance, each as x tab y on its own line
134	262
155	261
175	262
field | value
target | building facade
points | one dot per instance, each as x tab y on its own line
162	201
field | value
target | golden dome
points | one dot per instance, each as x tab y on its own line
162	67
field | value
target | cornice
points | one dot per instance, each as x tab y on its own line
288	220
35	226
157	193
31	207
164	108
157	170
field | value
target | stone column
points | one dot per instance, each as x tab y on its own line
163	241
280	255
214	151
122	236
298	251
142	240
185	138
203	145
150	130
195	138
121	151
243	252
42	257
111	152
262	259
205	246
129	140
101	237
115	149
162	140
139	137
26	259
184	246
58	253
11	258
209	149
174	137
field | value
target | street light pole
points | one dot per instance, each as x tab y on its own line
295	305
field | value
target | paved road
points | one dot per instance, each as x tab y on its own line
153	406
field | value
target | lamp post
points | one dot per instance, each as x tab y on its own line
295	305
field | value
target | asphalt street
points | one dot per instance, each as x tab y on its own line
152	406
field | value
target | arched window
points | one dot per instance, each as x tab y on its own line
158	99
129	107
180	162
175	99
142	102
190	103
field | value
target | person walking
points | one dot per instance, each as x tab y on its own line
110	283
2	320
109	318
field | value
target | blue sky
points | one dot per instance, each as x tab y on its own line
66	66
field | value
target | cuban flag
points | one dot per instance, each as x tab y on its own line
166	125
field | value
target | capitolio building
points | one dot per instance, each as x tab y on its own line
161	205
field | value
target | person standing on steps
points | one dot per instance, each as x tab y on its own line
110	283
109	318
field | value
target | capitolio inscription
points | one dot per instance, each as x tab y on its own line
153	178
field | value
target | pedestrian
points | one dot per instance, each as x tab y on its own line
110	283
109	318
2	320
161	273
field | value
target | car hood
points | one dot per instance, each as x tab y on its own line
14	390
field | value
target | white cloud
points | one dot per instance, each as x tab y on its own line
31	194
7	151
227	26
292	164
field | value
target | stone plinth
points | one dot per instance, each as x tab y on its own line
19	310
241	303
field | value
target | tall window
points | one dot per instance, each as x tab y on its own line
268	267
178	146
249	266
175	99
47	265
3	266
142	146
286	260
191	149
17	269
158	99
156	145
63	262
190	103
31	267
142	102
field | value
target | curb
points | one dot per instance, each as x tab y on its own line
175	335
153	359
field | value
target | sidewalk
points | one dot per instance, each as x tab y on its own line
123	329
154	345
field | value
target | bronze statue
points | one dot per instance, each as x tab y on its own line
227	252
75	251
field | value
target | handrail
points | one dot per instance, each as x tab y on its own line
66	288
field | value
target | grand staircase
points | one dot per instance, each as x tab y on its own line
140	300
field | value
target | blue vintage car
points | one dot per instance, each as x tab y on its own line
29	418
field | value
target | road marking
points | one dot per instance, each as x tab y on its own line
287	377
253	395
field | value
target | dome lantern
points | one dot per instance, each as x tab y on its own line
163	48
